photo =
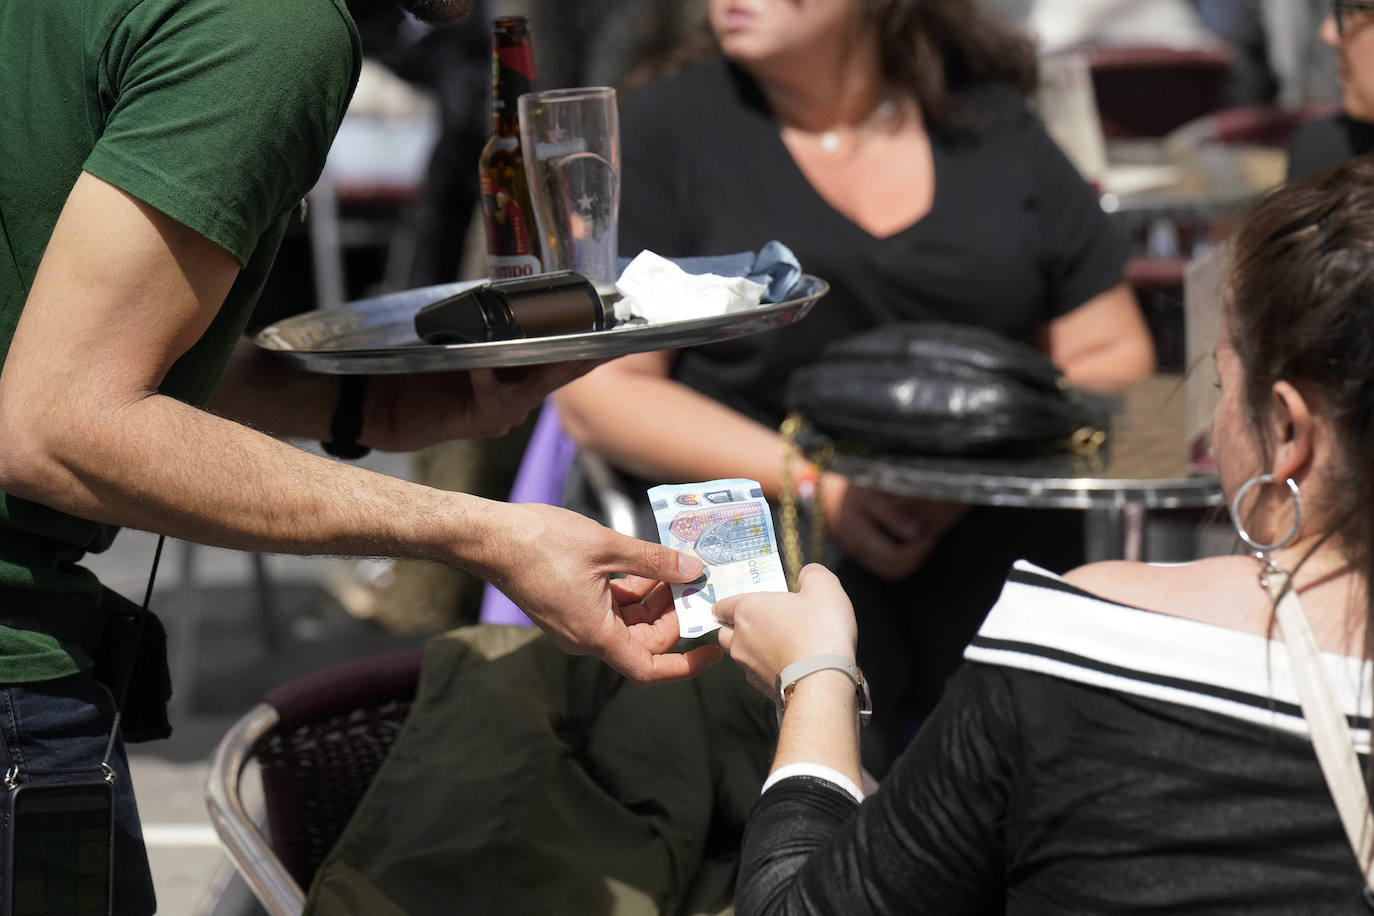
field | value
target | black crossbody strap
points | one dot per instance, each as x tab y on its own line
138	635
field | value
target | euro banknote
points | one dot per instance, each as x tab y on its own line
727	524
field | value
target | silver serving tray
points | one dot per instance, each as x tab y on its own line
377	335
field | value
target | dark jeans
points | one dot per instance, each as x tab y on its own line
59	729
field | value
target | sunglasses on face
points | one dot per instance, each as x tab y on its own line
1344	9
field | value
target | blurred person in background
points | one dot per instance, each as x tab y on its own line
1350	30
888	143
1241	24
452	62
1064	25
1279	58
599	42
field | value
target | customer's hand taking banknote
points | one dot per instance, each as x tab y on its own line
765	632
556	565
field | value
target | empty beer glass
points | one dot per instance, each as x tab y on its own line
571	143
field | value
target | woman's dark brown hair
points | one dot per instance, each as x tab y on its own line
1301	309
938	46
935	47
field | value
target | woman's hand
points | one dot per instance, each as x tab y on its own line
766	631
887	534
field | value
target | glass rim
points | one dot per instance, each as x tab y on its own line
573	94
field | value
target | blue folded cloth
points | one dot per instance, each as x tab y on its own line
777	268
774	265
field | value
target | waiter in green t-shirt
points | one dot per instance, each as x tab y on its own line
153	151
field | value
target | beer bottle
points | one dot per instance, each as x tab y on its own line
512	246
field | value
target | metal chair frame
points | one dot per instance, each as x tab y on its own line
373	696
249	850
617	508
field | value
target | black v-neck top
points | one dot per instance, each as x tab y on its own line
1013	238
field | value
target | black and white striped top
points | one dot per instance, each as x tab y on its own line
1041	623
1088	758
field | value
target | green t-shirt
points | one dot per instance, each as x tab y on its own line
219	113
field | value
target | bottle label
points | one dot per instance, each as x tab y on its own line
510	243
512	76
510	268
519	58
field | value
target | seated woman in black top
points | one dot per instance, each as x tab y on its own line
1126	738
889	145
1350	30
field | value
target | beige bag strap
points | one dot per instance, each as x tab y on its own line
1331	737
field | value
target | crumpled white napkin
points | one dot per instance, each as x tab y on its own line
657	290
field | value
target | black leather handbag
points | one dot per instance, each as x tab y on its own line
934	388
926	389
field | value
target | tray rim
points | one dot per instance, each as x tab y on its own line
380	360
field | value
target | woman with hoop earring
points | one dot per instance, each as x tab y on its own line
1129	737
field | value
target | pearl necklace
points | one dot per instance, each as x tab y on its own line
830	140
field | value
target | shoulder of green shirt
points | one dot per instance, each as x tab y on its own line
220	113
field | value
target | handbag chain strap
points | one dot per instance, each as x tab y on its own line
1331	736
787	499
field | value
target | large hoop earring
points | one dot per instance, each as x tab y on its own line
1244	535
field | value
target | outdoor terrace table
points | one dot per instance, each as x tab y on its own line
1143	467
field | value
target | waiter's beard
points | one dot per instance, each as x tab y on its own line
436	11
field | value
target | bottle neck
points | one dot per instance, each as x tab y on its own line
512	77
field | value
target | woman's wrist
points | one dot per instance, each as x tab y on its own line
821	725
805	481
830	494
829	686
